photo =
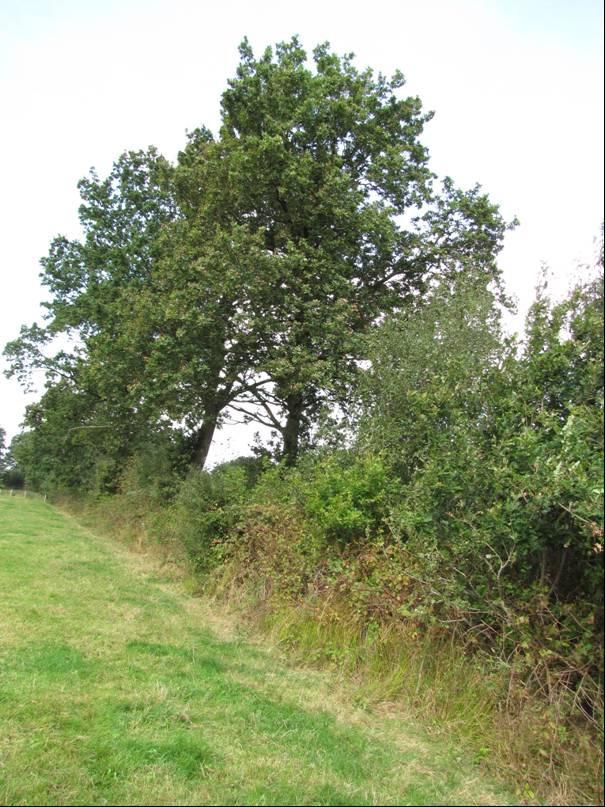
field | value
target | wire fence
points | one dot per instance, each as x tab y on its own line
23	493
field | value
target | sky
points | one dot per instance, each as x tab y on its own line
516	86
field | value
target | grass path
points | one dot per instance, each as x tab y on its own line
115	690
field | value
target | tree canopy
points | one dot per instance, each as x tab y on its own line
241	278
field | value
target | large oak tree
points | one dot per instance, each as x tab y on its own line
242	278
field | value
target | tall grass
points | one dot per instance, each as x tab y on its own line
518	734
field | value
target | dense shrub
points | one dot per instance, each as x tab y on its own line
157	467
499	459
269	552
13	478
208	507
344	496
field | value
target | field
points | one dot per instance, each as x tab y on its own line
117	687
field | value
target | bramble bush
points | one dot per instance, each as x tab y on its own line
498	451
207	509
345	497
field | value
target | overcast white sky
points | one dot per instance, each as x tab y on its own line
517	87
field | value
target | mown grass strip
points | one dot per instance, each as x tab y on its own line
112	691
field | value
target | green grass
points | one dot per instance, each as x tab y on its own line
116	687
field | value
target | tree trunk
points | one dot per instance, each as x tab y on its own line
203	442
291	432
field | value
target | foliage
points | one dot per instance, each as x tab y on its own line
206	510
242	278
323	164
91	416
156	468
500	462
10	474
301	267
344	496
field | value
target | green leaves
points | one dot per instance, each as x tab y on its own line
320	164
498	452
244	277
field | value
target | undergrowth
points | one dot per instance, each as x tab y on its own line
323	607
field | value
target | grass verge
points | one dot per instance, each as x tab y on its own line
115	690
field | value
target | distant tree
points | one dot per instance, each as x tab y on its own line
2	449
11	475
93	284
